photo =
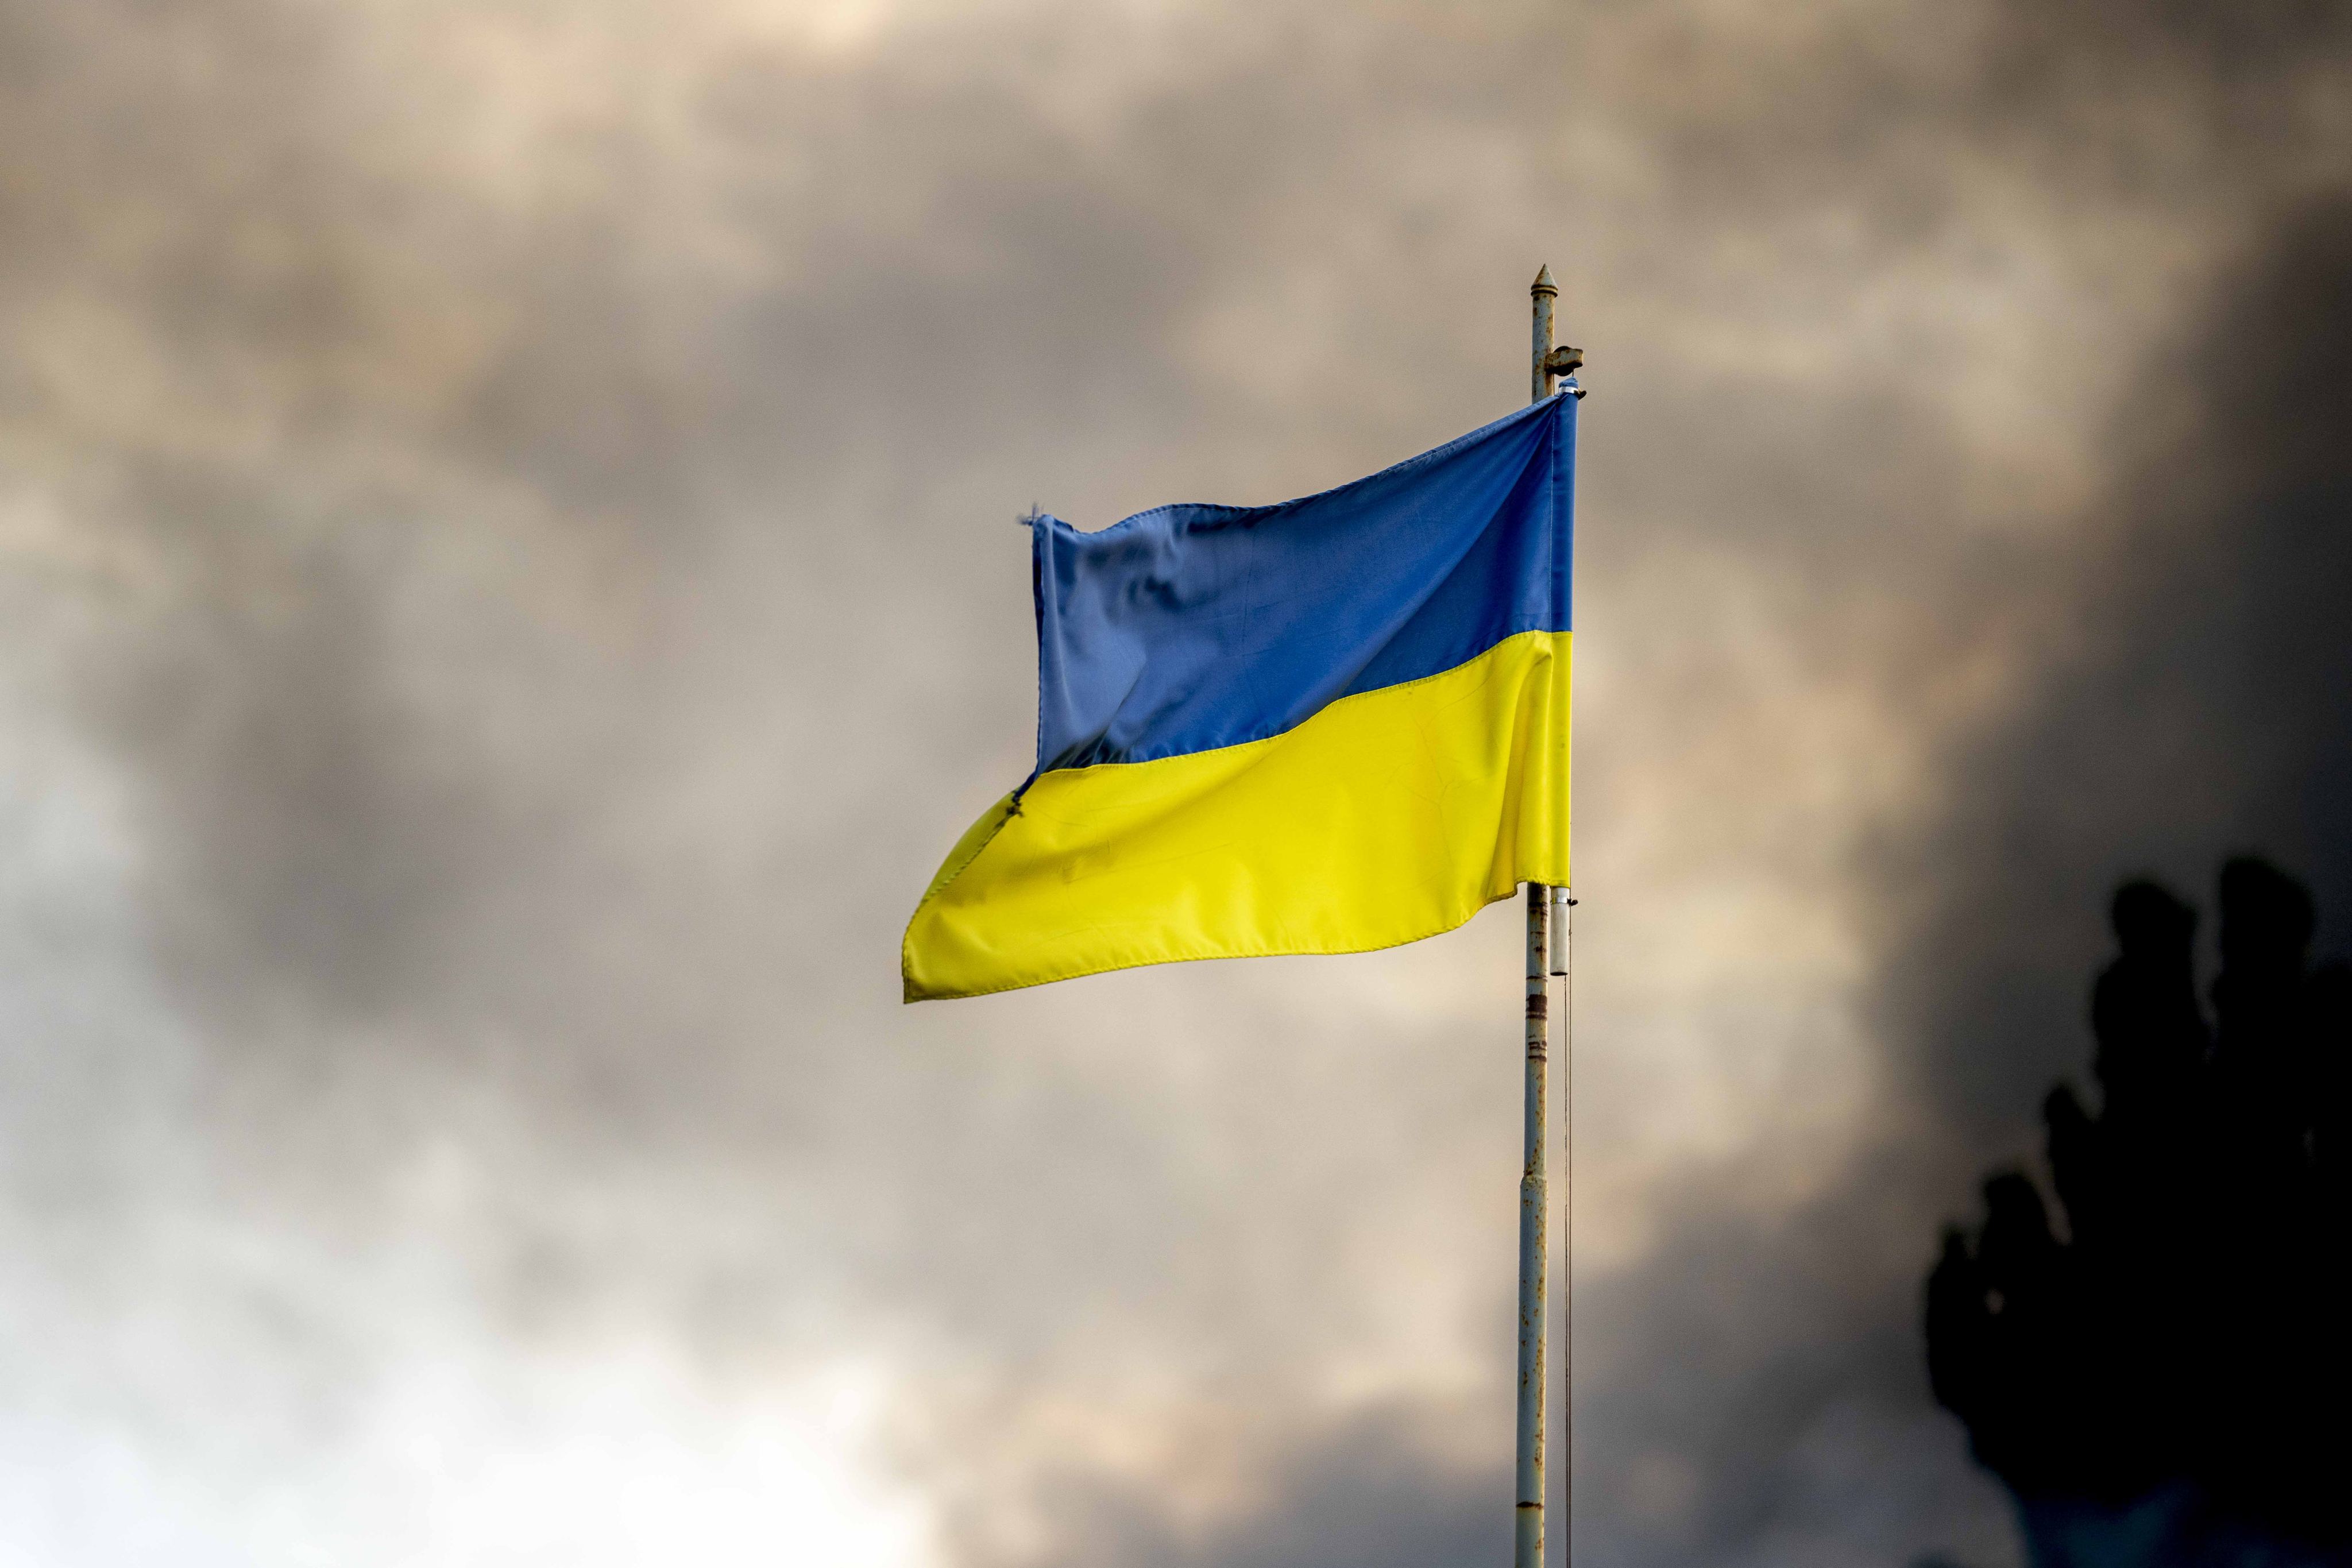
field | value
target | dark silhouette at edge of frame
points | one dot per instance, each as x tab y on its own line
2170	1384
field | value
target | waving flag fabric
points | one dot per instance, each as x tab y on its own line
1330	725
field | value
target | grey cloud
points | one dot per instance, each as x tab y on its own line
2196	705
516	509
1367	1492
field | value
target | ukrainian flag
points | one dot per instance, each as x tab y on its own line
1331	725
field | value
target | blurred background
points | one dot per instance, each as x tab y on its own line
508	588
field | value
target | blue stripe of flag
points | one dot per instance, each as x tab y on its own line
1190	628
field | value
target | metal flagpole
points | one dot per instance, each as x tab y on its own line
1534	1247
1544	960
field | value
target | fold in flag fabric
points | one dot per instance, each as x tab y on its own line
1330	725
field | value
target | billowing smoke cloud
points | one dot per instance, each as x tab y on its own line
2197	705
504	532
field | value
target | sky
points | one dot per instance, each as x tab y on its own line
509	587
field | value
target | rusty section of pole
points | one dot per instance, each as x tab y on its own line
1549	361
1543	291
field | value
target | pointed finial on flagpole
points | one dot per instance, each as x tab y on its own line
1542	292
1549	361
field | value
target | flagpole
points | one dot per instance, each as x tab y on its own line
1534	1244
1535	1195
1544	960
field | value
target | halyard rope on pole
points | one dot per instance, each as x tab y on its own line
1563	964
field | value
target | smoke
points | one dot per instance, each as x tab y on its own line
2193	707
504	536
